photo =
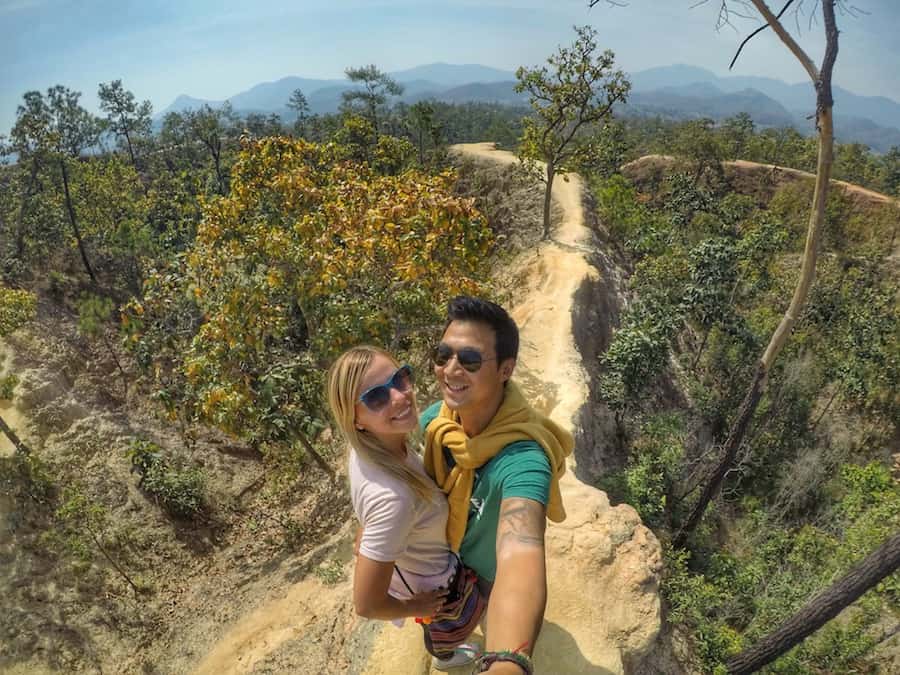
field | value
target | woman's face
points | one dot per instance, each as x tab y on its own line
399	415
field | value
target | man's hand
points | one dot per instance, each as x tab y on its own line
519	595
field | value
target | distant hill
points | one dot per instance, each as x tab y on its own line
497	92
185	102
798	99
428	81
674	92
706	101
450	75
862	130
273	96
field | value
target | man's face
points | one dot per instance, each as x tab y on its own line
465	391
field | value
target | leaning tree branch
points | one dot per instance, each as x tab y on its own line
757	32
13	438
883	561
788	39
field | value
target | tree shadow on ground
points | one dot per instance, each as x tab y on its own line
558	653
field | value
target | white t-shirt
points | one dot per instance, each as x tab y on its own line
400	527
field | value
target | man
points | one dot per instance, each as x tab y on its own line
499	462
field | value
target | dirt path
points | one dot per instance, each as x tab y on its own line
308	611
544	311
851	188
861	194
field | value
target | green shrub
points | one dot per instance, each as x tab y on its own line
331	572
181	491
26	477
8	386
696	604
653	470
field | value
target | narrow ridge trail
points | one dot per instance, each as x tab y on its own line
603	611
603	565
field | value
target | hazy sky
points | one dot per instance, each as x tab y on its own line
214	49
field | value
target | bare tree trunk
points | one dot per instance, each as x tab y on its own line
421	146
815	425
304	441
876	566
824	123
700	350
729	452
70	208
112	561
218	159
14	439
130	149
115	359
20	218
548	193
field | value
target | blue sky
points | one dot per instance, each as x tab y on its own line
163	48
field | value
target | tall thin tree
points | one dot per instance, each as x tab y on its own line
72	131
821	78
128	120
578	90
377	86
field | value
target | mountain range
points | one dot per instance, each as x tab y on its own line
673	92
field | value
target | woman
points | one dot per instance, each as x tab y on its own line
404	567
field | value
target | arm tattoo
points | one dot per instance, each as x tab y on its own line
522	521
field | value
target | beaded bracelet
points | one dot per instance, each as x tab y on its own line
519	658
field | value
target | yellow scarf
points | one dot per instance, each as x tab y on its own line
514	421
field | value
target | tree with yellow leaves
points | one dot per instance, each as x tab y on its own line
308	254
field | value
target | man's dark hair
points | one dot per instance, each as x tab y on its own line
506	333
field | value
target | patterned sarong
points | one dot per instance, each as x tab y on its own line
459	615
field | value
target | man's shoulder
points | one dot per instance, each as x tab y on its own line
429	414
521	469
517	455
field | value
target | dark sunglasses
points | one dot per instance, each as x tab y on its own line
377	397
468	358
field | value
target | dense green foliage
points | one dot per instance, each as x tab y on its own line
179	490
812	493
17	307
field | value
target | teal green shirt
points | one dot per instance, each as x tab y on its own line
521	469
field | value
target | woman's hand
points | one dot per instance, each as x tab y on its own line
371	580
426	603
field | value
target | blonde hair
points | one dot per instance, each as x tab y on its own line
343	384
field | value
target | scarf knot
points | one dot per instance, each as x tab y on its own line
515	420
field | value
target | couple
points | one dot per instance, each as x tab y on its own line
488	478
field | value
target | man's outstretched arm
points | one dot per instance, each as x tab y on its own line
519	595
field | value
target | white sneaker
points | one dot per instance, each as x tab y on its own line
462	656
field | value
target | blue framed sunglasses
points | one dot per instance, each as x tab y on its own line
376	398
